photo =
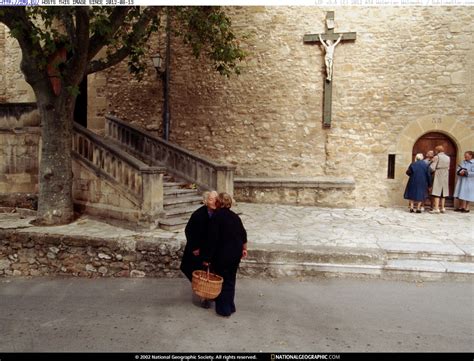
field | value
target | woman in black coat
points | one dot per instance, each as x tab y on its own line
227	245
197	235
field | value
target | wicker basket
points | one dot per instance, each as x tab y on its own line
206	285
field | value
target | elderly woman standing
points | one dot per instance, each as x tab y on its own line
440	167
197	234
465	186
418	183
227	245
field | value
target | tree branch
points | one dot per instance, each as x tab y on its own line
77	66
68	22
114	59
139	29
97	41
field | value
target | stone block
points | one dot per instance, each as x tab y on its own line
4	264
443	80
460	77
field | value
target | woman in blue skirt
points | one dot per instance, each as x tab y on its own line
418	183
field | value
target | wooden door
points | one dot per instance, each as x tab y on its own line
428	142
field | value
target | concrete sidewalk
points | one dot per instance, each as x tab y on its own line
364	241
314	241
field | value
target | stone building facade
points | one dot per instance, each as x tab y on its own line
409	73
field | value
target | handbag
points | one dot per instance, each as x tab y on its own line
460	170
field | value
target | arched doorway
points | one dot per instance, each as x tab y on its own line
428	142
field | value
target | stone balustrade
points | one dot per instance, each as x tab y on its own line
140	183
204	172
318	191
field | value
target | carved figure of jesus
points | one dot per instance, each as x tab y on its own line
329	47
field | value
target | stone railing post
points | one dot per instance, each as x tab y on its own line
152	185
225	179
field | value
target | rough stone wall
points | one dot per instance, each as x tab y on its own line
407	62
3	89
14	88
30	254
139	102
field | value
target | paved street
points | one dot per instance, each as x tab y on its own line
339	315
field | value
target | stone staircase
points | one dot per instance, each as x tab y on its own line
130	175
186	175
180	201
180	197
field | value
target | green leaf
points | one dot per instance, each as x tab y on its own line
73	90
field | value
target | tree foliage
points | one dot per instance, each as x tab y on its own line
122	31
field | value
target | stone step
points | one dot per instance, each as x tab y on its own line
179	185
183	211
276	260
171	178
426	251
290	253
173	224
406	270
180	201
168	193
430	266
289	261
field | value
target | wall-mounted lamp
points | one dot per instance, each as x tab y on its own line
157	63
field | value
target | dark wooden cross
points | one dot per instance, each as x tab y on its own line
328	35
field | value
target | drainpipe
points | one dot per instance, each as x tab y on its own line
166	82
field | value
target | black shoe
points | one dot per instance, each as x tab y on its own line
221	315
205	304
459	210
418	211
412	210
464	210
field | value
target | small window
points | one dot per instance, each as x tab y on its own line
391	166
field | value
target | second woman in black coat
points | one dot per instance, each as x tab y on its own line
227	244
196	232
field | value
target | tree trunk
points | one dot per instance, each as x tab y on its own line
55	204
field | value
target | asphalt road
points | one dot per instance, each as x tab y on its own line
313	315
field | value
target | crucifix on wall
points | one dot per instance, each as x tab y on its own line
329	40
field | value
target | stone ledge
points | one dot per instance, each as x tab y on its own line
290	254
314	191
316	182
20	130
